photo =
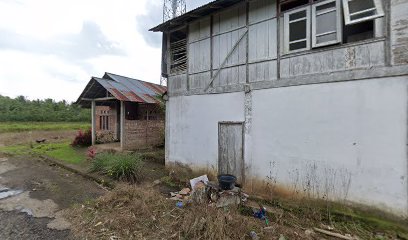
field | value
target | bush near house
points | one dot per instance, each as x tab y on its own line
83	139
119	166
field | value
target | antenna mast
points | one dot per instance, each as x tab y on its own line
172	9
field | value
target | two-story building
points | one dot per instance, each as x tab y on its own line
308	96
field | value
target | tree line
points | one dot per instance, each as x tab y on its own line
20	109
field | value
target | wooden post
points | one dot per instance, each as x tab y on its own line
93	113
122	124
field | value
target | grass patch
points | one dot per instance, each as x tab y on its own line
119	166
15	150
60	151
41	126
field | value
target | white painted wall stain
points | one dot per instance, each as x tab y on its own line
356	129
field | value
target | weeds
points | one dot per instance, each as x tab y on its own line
119	166
139	212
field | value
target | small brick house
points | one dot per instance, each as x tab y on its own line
124	110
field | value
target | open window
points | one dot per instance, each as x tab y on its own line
356	11
326	23
178	51
297	30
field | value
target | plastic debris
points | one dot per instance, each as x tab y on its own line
253	235
196	180
179	204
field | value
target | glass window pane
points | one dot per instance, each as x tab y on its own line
326	22
360	5
326	38
298	45
297	15
297	30
325	6
363	15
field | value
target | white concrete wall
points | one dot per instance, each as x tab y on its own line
192	122
347	138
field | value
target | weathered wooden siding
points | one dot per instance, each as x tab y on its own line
261	10
231	76
199	56
263	71
347	58
230	19
257	57
199	49
262	51
399	31
177	84
199	80
222	45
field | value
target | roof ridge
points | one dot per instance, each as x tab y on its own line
130	78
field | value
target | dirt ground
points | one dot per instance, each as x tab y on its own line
32	195
17	138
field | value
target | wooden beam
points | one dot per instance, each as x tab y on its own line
93	112
122	124
98	99
226	59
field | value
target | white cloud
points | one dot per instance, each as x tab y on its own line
52	48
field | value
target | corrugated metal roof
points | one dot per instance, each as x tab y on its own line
194	14
123	89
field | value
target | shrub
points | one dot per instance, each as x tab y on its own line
83	139
119	166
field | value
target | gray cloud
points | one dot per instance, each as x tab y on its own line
153	17
88	43
191	4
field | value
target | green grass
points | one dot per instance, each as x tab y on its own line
16	150
61	151
120	166
41	126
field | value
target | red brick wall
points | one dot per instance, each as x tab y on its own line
142	134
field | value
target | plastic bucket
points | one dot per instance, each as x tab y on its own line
227	181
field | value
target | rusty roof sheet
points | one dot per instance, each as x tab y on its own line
123	89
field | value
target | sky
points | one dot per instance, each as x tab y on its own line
50	49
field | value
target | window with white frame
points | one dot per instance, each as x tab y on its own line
298	31
319	23
326	23
356	11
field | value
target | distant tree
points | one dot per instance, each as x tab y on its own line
48	110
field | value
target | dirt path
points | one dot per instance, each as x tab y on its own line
32	195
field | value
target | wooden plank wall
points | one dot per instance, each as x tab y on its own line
228	27
340	59
262	52
256	57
